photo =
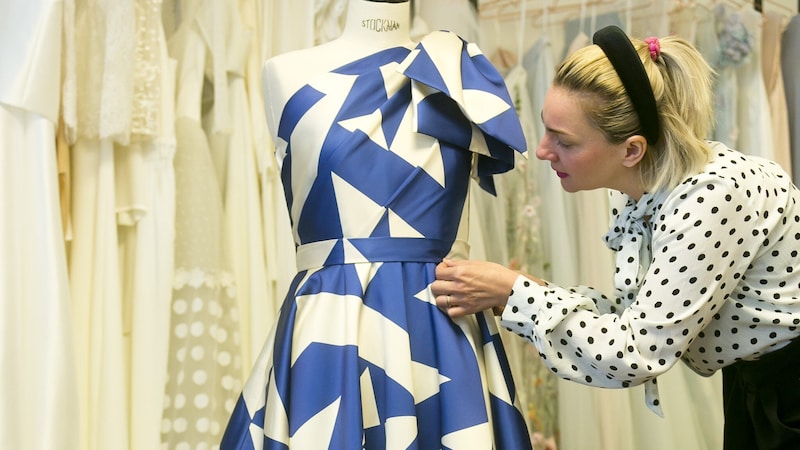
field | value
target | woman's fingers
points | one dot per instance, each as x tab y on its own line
444	301
466	287
449	304
445	270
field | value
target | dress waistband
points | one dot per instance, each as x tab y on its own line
377	249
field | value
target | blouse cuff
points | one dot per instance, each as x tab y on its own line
522	309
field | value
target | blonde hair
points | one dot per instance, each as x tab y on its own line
681	81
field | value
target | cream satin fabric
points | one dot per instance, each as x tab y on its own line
38	385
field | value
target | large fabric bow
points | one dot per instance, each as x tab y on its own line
460	98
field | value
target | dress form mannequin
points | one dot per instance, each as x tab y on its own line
370	26
377	140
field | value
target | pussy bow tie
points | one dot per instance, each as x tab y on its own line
629	237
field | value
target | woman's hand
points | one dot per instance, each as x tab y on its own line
467	287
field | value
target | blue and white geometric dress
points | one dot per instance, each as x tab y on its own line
376	161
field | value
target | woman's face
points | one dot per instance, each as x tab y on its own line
578	151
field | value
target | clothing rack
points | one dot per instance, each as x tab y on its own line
509	9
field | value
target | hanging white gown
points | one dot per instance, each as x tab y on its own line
204	366
103	79
38	385
262	306
233	152
145	198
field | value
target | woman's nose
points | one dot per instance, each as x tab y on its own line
542	152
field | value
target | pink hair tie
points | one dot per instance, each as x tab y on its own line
654	46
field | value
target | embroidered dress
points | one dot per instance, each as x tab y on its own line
376	161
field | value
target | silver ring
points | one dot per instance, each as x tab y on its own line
448	300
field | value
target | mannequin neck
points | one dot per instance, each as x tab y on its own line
378	23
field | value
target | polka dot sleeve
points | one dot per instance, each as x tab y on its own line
703	239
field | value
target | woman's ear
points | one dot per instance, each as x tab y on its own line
635	148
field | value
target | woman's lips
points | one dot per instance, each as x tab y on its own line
561	174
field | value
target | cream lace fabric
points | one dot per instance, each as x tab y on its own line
105	39
145	117
111	69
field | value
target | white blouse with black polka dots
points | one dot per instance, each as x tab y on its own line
708	272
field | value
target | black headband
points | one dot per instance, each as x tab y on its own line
629	67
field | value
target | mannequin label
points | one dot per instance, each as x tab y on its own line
380	25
